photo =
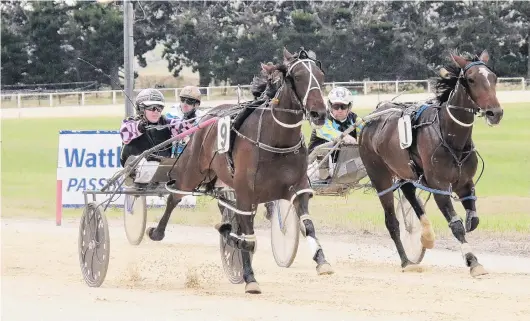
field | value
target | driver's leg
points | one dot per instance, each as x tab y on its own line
323	171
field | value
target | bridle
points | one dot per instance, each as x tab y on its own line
308	64
476	109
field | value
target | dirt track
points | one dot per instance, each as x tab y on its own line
181	278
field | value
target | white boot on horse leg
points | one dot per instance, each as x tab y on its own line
308	230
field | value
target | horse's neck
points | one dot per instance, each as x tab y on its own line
454	134
281	135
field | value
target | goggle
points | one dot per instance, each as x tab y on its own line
340	106
189	101
158	108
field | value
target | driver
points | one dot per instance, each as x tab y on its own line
137	136
340	117
190	100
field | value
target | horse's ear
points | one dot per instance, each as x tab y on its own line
444	73
268	68
287	55
459	61
484	57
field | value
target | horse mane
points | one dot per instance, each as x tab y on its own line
270	83
444	86
267	83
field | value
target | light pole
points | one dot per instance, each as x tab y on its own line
128	54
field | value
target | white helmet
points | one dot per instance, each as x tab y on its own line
339	95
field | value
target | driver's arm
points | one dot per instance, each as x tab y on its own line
178	125
327	131
131	129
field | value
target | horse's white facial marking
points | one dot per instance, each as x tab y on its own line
485	72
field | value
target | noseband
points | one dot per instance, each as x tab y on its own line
308	64
473	110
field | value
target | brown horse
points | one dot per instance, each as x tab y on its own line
269	159
442	158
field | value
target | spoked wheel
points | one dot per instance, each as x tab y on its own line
231	257
134	218
285	233
93	245
410	229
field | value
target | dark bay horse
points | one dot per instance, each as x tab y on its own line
269	159
442	156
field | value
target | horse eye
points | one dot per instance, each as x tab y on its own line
471	81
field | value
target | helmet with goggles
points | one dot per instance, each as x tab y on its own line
149	99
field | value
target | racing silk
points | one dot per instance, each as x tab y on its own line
176	113
129	128
331	129
135	142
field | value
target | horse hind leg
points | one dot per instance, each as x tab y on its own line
245	241
427	234
381	179
301	204
158	233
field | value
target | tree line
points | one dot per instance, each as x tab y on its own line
226	41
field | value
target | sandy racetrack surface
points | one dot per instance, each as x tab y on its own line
181	278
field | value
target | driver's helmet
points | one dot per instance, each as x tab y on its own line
190	92
339	95
149	97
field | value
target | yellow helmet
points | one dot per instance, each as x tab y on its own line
191	92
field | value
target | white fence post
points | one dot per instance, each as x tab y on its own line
114	97
19	100
82	99
51	100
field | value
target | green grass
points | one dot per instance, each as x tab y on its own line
29	159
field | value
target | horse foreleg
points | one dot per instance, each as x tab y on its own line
427	234
158	233
243	238
466	193
457	227
301	203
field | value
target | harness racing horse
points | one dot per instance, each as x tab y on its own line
269	159
442	157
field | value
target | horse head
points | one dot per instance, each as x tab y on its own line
304	76
480	83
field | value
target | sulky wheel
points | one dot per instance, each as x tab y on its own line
285	232
410	229
93	245
134	218
231	257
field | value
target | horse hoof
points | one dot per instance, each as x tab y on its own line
223	228
324	269
478	271
252	288
153	235
413	268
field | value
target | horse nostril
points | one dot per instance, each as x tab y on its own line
314	114
490	113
